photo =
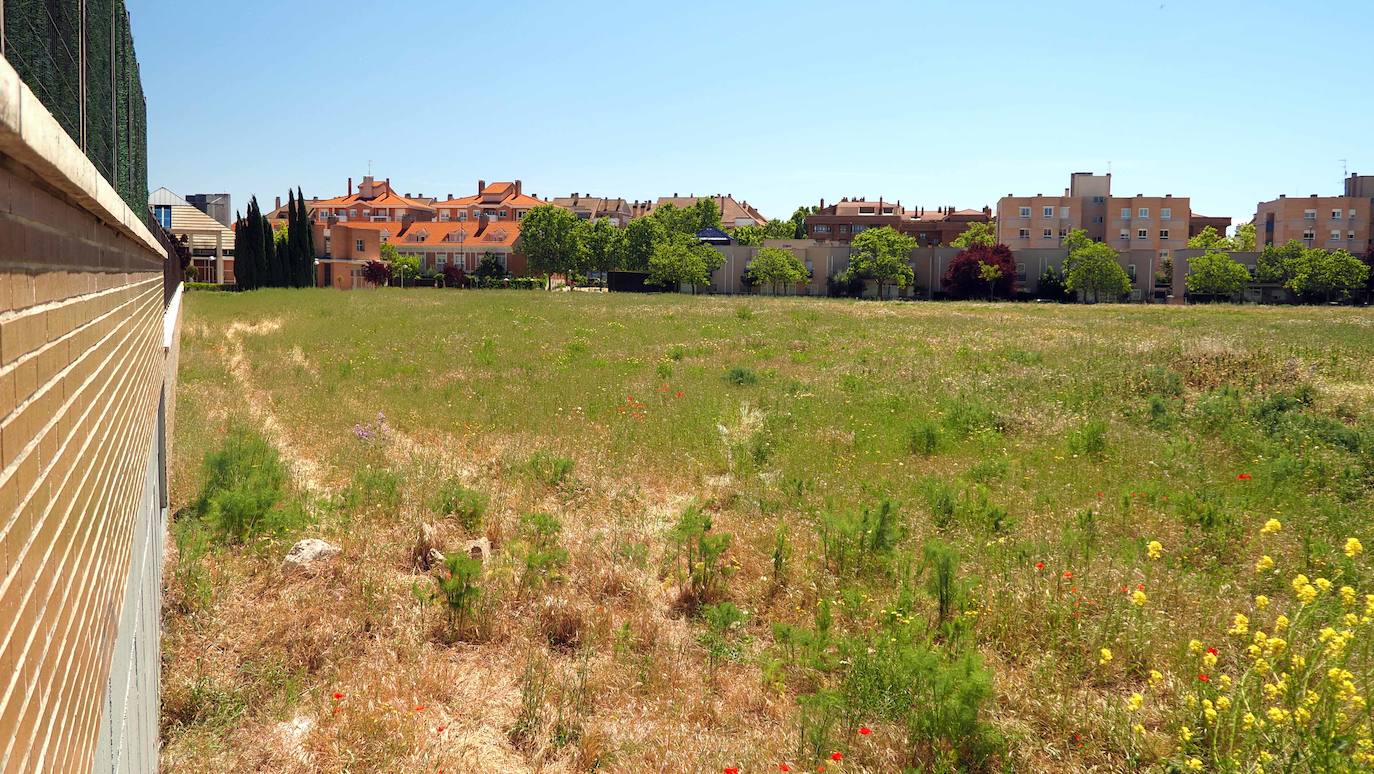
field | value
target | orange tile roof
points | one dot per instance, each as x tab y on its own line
393	226
498	233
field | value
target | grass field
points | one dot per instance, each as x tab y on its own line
961	536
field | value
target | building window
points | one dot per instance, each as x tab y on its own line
1166	213
163	213
520	215
1047	234
1099	200
1063	232
1335	214
1352	236
1049	212
1125	235
1144	213
1064	212
501	214
1130	272
1352	214
443	214
359	245
1020	272
887	210
1309	234
865	210
439	261
820	228
1163	255
1023	234
857	228
1309	214
1098	219
462	215
1125	213
354	213
1335	235
1142	234
1025	212
1164	233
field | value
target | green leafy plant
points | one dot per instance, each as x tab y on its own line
700	552
741	376
550	469
244	492
458	589
466	506
543	557
721	638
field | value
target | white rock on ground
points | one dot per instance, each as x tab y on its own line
307	552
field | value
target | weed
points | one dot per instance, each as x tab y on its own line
1090	439
464	505
700	553
245	484
457	589
722	624
741	376
923	438
744	313
550	469
543	557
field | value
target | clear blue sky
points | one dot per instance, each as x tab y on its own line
780	103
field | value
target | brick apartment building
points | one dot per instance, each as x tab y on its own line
839	222
1331	222
455	231
1145	230
733	212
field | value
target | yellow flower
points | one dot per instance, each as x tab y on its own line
1271	526
1155	549
1277	714
1138	598
1209	660
1194	764
1194	646
1104	656
1261	601
1185	734
1264	563
1347	595
1156	677
1240	625
1249	720
1280	623
1138	729
1225	681
1223	703
1353	547
1323	584
1135	702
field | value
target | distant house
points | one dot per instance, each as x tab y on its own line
588	207
211	242
931	228
373	200
732	212
714	236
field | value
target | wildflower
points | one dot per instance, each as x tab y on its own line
1138	598
1264	563
1240	625
1154	549
337	696
1277	714
784	767
1185	734
1204	677
1248	720
1209	659
1156	677
440	729
865	730
836	756
1194	646
1104	656
732	770
1135	702
419	708
1223	703
1353	547
1280	623
1138	729
1261	601
1347	595
1068	574
1271	526
1225	681
678	394
1039	565
1323	584
1194	764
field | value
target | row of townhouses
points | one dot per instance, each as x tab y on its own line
1146	231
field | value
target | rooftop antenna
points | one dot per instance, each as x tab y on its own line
1345	171
1109	166
369	167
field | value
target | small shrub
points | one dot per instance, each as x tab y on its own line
941	499
550	469
464	505
677	352
245	485
744	313
853	540
380	487
989	470
722	623
457	589
942	567
923	438
741	376
967	416
543	557
700	553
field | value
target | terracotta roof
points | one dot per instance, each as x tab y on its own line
523	200
731	210
498	233
595	204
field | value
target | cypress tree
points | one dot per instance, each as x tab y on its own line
291	260
261	270
269	248
307	242
241	267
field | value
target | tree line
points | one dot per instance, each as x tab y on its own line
281	259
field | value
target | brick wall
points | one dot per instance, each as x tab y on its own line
82	374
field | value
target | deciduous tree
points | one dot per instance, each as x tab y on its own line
548	236
882	255
965	278
1216	274
778	267
683	260
602	245
1327	275
977	233
1093	269
640	237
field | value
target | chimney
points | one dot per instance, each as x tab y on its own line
1283	196
480	185
1314	196
1168	196
407	194
278	202
349	192
450	197
517	187
822	202
674	194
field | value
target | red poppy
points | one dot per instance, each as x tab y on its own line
1140	586
419	708
1099	495
337	696
1039	565
1213	651
731	770
784	767
1243	477
1204	678
1068	573
678	394
441	728
1073	589
1125	589
865	730
836	756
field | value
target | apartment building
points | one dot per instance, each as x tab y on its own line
211	242
1331	222
500	201
373	200
733	212
841	221
1026	222
588	207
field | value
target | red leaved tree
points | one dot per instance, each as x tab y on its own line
377	273
964	277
